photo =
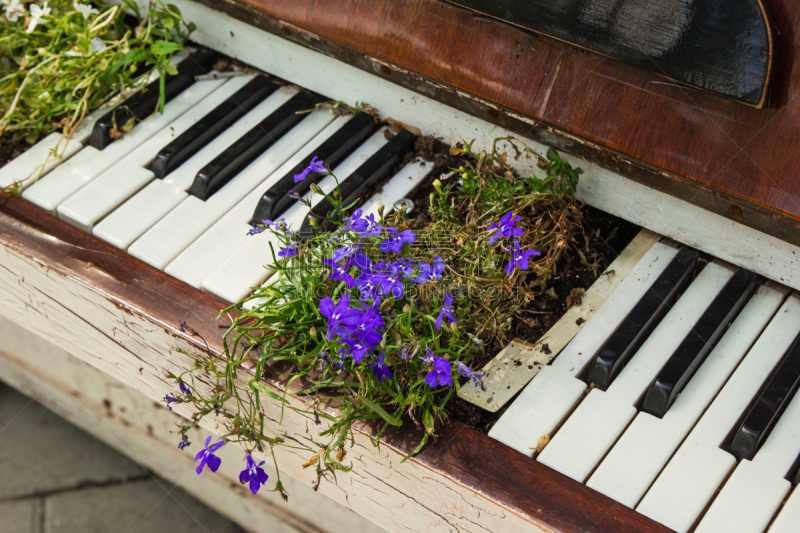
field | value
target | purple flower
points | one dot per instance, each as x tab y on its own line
366	341
324	359
346	251
289	251
372	228
340	314
446	311
428	357
170	399
370	320
441	374
519	259
294	196
314	166
253	473
395	242
339	272
391	280
362	261
426	272
506	228
369	288
184	389
379	369
207	457
184	442
183	326
406	353
355	222
255	229
467	373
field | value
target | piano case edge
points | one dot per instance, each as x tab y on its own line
110	310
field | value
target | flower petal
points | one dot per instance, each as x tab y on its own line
214	462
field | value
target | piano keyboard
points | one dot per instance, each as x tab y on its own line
180	189
681	368
677	398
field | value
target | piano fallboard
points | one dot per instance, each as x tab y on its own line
731	160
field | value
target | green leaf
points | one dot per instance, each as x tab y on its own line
134	56
256	386
162	48
377	409
428	420
174	9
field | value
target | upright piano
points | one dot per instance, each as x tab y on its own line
708	172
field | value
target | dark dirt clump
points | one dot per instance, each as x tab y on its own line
607	234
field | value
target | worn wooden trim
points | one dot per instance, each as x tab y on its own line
142	429
120	315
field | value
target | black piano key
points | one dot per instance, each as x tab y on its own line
332	152
142	104
358	184
203	132
612	357
252	144
694	349
768	407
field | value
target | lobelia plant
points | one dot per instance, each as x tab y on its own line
378	321
61	58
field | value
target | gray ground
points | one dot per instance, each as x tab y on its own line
54	478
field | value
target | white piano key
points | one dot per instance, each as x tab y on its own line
647	445
757	488
602	416
38	160
244	269
545	401
118	183
693	475
139	213
172	234
62	183
68	177
230	231
399	186
789	517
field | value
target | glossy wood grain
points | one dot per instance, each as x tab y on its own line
519	484
720	46
736	161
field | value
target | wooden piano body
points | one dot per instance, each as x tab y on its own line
709	172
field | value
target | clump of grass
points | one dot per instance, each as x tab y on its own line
378	322
59	59
468	199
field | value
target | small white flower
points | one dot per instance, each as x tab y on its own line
37	14
86	10
97	45
14	11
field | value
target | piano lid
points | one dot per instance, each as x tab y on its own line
720	46
733	160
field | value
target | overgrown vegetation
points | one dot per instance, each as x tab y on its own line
59	59
379	321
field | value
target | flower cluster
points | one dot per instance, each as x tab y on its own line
376	323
